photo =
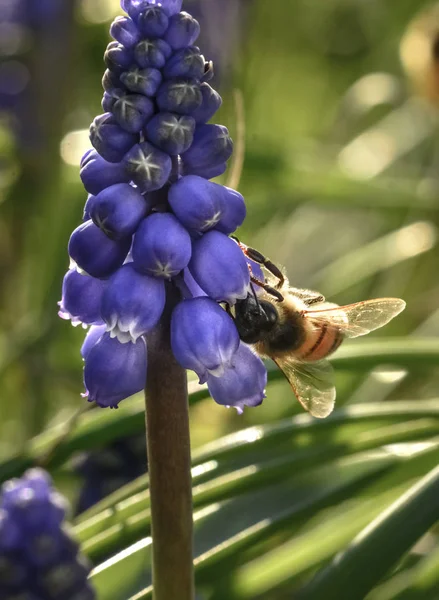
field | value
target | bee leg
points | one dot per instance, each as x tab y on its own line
270	290
259	258
315	300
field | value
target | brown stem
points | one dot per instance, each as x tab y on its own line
168	445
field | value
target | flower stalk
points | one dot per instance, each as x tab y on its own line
168	447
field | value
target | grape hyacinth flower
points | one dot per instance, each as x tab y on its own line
38	557
154	223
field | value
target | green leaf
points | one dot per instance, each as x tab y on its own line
223	530
248	446
376	549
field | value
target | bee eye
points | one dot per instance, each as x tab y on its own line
270	312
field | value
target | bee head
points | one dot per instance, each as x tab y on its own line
254	318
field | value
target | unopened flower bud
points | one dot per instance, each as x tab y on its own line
219	267
110	140
170	132
94	252
148	167
142	81
96	173
162	246
183	30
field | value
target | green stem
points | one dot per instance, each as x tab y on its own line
168	445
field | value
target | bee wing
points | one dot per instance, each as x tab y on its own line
358	319
312	384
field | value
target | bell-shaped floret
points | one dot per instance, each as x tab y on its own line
219	267
135	7
152	53
96	173
132	111
179	95
114	371
94	252
187	62
153	22
211	147
93	335
182	31
148	167
201	205
142	81
162	246
125	31
118	210
132	304
171	133
209	105
203	337
242	384
81	298
110	140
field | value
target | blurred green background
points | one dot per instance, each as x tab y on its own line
341	178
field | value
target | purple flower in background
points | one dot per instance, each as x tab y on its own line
153	221
35	547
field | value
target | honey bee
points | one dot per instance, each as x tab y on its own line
298	329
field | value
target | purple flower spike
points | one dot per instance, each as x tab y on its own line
132	111
242	384
97	174
181	96
135	7
201	205
142	81
94	252
114	371
203	337
171	133
132	304
162	246
152	53
110	140
118	210
186	62
183	30
148	167
219	267
211	147
153	22
124	31
93	336
210	104
81	298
